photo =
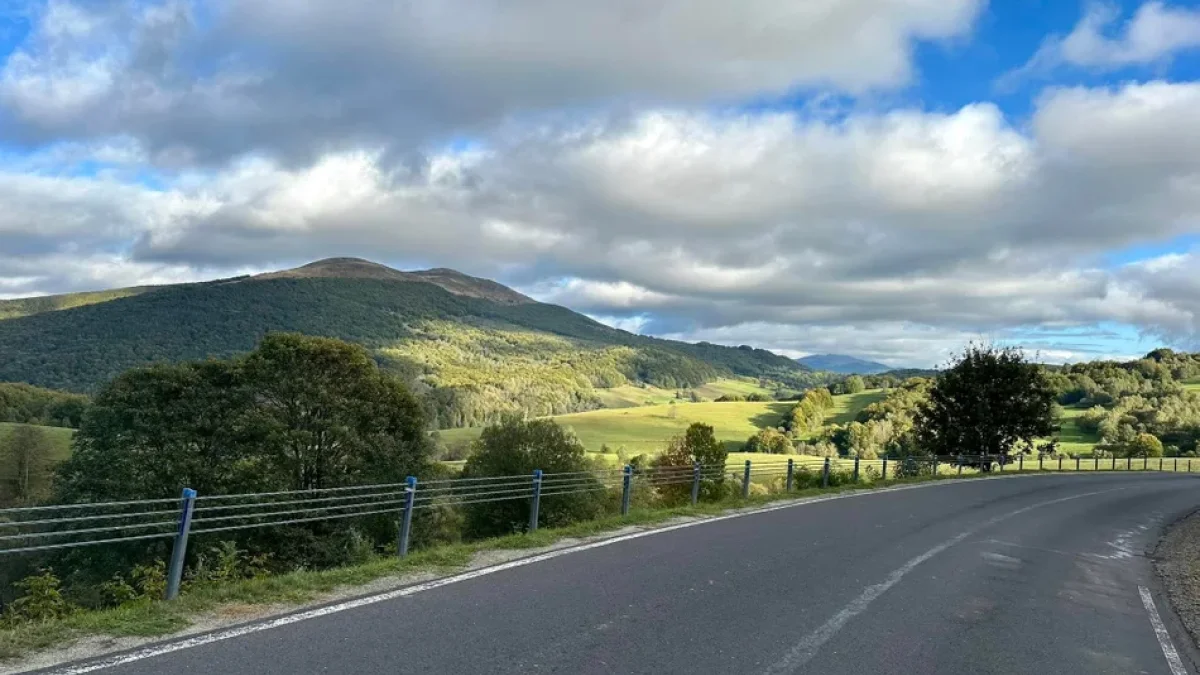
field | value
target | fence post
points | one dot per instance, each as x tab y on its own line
1095	462
746	481
1042	460
1114	468
790	475
935	466
179	550
884	476
695	483
1160	463
960	464
1021	462
537	500
1176	465
1129	464
1000	462
825	474
410	494
856	469
627	490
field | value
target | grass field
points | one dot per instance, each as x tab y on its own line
59	437
647	429
629	396
1072	439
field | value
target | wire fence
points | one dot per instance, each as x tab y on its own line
37	529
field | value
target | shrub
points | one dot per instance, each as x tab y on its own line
768	441
697	444
516	447
40	600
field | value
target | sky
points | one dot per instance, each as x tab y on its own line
889	179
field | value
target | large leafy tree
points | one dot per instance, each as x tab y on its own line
990	401
329	416
297	413
517	447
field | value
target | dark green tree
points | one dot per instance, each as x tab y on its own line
990	401
516	447
26	452
698	443
328	415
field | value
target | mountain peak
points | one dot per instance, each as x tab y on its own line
340	268
450	280
841	363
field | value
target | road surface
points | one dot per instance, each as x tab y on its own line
1036	574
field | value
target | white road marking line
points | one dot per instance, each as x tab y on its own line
804	650
1160	631
217	636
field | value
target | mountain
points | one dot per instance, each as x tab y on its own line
471	347
840	363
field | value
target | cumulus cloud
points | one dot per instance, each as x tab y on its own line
204	82
596	177
1154	34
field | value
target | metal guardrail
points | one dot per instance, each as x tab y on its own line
62	526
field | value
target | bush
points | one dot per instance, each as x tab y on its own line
516	447
697	444
40	600
768	441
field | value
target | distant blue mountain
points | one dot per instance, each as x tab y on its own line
840	363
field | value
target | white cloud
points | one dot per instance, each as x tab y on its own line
297	78
1154	34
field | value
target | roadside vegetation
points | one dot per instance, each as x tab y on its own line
303	413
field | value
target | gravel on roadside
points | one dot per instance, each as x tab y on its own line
1177	561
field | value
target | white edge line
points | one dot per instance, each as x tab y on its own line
238	631
1160	631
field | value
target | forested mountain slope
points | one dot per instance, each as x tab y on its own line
473	347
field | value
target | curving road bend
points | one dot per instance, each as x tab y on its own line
1036	574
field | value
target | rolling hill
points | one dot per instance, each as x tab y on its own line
840	363
472	347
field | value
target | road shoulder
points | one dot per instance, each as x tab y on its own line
1176	561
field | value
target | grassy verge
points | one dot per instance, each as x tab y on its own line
158	618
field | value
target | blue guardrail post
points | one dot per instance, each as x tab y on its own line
179	550
626	489
695	483
537	500
410	494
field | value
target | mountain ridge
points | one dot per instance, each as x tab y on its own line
843	364
472	347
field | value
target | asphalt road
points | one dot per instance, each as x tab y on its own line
1034	574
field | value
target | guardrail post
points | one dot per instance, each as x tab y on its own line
1160	463
1189	466
410	494
695	483
856	469
187	504
537	500
825	474
1021	462
1042	461
1129	464
935	465
746	481
791	474
627	490
960	464
1095	462
1176	469
1114	468
884	476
